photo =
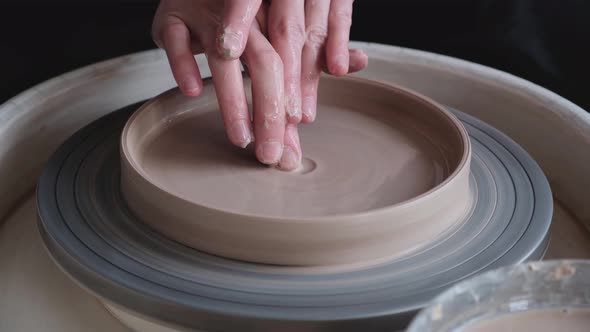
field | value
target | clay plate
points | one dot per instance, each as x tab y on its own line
385	171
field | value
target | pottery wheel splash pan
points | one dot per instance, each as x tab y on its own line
91	233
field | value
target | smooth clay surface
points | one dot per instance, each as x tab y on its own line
374	157
365	151
548	320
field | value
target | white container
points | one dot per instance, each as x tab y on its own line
36	296
537	296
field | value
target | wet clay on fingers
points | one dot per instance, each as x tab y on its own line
384	171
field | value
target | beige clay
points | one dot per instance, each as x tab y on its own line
378	164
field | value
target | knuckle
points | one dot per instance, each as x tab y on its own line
316	35
342	16
310	76
292	79
175	28
290	30
272	117
267	58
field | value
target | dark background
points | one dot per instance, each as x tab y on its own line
544	41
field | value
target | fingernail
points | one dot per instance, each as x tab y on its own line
271	152
357	59
241	134
308	108
293	107
191	86
230	43
340	66
353	63
358	53
289	160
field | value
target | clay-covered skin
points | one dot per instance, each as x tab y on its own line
548	320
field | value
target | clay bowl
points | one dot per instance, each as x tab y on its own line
385	171
536	296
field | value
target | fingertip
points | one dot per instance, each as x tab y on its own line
307	118
191	86
358	60
338	65
269	152
308	109
176	40
294	119
240	133
293	109
291	158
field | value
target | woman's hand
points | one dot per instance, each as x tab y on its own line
282	70
187	27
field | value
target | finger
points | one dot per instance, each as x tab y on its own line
357	61
158	23
291	158
229	86
262	18
235	27
266	70
316	22
287	34
177	43
339	22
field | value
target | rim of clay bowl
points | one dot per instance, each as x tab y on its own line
453	121
337	239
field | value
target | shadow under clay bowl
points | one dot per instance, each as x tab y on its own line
385	171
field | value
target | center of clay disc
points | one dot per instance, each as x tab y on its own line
307	166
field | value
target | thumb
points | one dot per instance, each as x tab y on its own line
233	33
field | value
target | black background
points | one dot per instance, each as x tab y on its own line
544	41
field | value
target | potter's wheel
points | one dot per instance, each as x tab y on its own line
93	236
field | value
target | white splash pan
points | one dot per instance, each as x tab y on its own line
36	296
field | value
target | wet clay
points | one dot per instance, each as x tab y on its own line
352	163
371	148
360	154
549	320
